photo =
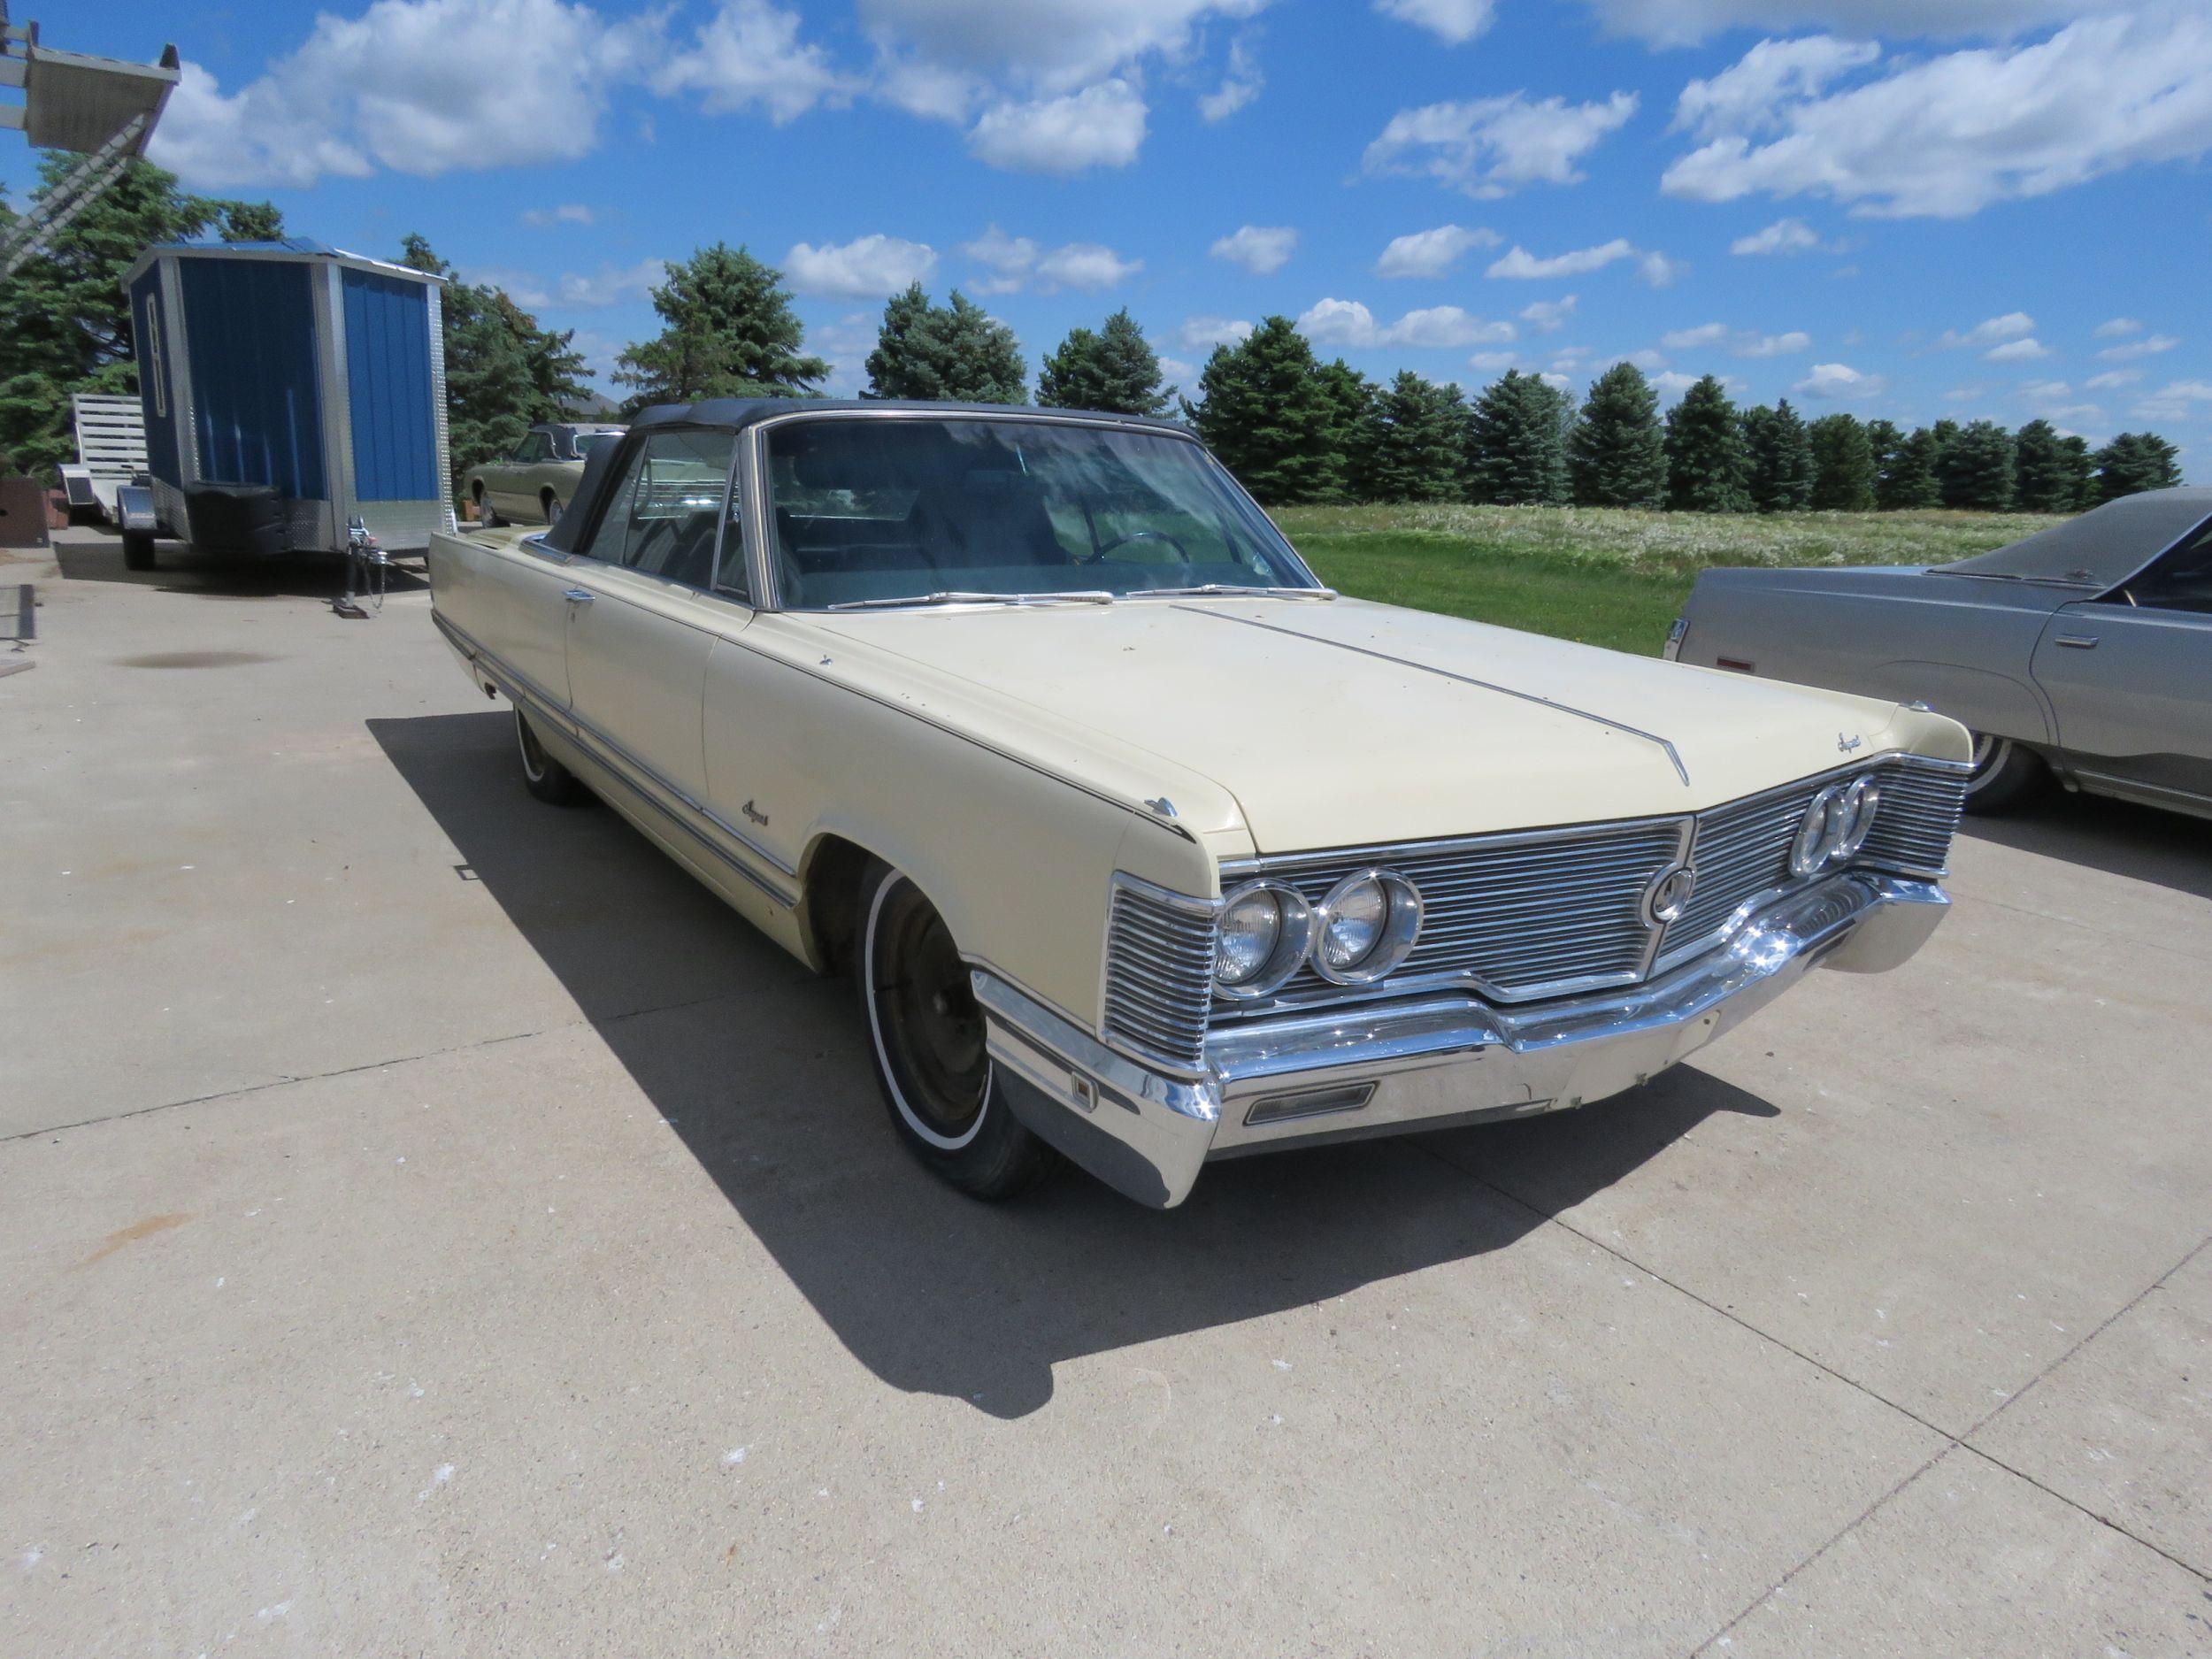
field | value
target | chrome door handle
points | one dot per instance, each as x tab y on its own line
578	596
2078	641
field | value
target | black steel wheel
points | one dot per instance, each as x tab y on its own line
543	775
2005	775
928	1036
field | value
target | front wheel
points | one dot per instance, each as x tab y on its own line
2005	775
926	1033
551	504
486	517
543	775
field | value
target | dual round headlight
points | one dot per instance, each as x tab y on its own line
1836	825
1359	932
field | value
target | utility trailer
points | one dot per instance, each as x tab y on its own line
111	452
289	390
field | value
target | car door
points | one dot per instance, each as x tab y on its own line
507	596
639	628
2129	675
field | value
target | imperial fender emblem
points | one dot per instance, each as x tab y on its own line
754	815
1669	894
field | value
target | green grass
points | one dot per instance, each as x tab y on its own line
1605	577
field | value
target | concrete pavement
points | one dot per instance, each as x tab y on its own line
431	1224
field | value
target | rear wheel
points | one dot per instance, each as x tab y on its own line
485	515
927	1035
551	504
138	551
2005	775
543	775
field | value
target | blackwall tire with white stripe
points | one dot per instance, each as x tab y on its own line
925	1034
543	775
2005	775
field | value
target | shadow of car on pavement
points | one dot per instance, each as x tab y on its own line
2118	837
759	1067
178	569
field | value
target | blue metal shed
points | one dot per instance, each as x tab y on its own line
288	388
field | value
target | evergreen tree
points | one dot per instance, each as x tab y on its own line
1976	472
1843	465
65	323
1617	455
1267	413
1942	435
2050	472
1706	463
1348	398
1780	476
1517	443
250	221
728	331
2084	466
503	373
1908	482
1419	438
2136	461
955	353
1114	370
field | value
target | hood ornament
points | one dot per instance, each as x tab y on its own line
1845	745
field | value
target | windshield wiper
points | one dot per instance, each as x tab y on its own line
1234	589
953	596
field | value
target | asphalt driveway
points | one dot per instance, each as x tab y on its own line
430	1224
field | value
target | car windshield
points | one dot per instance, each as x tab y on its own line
588	442
893	510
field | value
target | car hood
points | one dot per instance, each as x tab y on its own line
1343	723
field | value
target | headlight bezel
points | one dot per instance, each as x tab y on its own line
1835	827
1401	928
1293	940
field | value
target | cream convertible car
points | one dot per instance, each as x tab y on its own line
1138	842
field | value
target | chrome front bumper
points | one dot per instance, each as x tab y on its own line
1425	1062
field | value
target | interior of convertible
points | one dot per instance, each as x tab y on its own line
880	508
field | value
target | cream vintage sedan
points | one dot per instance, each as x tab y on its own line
1140	845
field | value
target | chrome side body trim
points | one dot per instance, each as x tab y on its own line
626	768
1420	1062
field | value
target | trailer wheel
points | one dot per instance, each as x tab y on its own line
138	551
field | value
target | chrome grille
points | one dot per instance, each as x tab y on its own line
1524	916
1159	973
1921	802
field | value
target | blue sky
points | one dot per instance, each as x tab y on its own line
1815	198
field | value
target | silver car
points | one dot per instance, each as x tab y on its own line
2083	652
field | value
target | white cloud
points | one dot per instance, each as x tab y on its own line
1259	248
1784	237
1492	361
404	87
566	213
1672	383
1660	271
1053	45
1203	333
573	290
1549	316
1647	360
1687	22
747	56
1839	383
1333	322
1455	22
1100	127
1557	381
2148	347
2024	350
1946	135
868	268
2117	328
1427	253
1695	338
1992	331
1773	345
1017	262
1491	146
1238	87
1084	265
2112	379
2177	400
1518	262
1739	342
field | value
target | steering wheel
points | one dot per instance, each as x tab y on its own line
1181	551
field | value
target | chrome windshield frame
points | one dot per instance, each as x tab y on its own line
759	519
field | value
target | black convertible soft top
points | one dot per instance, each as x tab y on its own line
737	413
2102	548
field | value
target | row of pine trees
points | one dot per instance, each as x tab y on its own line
1297	429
